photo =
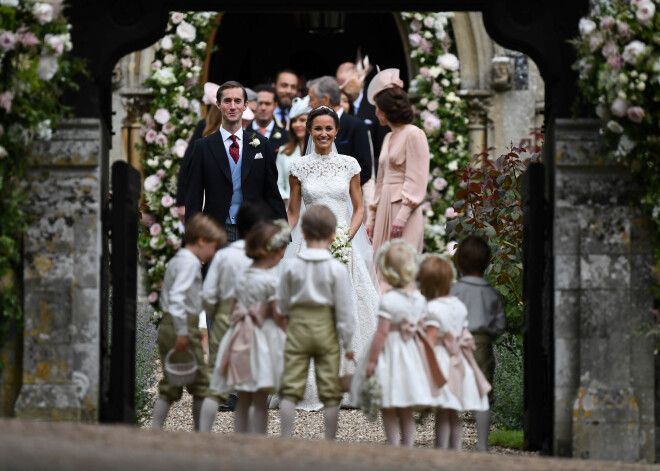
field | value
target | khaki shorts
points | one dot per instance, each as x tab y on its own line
312	333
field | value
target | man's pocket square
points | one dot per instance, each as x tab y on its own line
258	156
368	121
344	142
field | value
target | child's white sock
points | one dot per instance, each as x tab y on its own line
442	429
241	412
483	429
408	426
196	411
259	417
207	414
456	431
331	416
391	426
287	417
159	415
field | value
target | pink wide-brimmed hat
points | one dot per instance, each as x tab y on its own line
210	93
248	115
388	78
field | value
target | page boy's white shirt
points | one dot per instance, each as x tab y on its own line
315	278
220	280
182	289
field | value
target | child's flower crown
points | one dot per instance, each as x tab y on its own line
282	238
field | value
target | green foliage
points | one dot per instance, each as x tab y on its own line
34	70
175	110
507	439
441	113
508	388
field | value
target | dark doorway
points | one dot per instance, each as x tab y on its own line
272	42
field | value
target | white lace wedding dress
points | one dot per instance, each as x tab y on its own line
325	180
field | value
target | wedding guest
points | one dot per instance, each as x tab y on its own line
404	166
250	357
204	127
180	302
220	283
352	137
217	184
248	117
395	358
447	330
295	147
264	122
286	89
485	314
346	102
314	295
252	99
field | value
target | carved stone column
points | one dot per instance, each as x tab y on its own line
478	106
64	266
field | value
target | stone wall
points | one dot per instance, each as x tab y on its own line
63	264
604	371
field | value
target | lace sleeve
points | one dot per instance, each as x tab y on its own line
352	166
296	169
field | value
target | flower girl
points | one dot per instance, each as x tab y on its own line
250	357
446	321
400	357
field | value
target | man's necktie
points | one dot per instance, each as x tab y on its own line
234	149
262	131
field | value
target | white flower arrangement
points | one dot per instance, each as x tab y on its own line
341	245
371	398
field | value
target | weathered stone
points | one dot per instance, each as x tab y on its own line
567	272
600	309
567	354
567	314
605	230
604	272
567	232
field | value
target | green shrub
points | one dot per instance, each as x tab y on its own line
508	406
507	438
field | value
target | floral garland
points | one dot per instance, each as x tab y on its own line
618	53
441	113
176	108
34	70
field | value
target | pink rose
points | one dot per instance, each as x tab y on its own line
167	201
177	17
624	30
449	137
161	139
415	39
436	89
153	297
161	173
155	65
183	102
148	220
432	106
7	41
610	49
429	21
157	243
26	37
424	72
615	61
149	121
168	59
425	45
426	206
162	116
187	51
632	51
152	183
174	211
607	22
645	12
150	136
415	25
619	107
55	42
450	213
439	183
186	62
179	148
143	131
168	127
636	114
155	229
595	41
5	100
431	123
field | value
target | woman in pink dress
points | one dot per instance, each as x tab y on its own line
403	166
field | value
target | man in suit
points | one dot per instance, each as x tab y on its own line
352	138
264	122
286	88
232	165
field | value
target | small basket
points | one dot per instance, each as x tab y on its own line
345	380
180	374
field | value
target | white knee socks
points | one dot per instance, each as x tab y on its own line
442	428
331	417
259	417
456	441
196	411
207	414
483	429
391	426
241	422
408	426
159	415
287	417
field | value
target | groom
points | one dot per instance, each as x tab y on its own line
231	166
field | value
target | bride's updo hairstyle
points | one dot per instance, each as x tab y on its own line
395	103
321	111
397	262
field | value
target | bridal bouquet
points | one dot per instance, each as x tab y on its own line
341	246
371	398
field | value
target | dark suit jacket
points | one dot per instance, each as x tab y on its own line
210	177
275	144
353	139
184	168
367	113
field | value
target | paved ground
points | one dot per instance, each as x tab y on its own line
27	445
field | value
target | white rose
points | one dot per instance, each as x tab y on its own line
448	61
429	21
167	164
444	82
201	45
586	26
619	107
3	152
166	43
645	12
152	183
183	102
9	3
165	76
453	165
43	12
186	31
177	17
614	127
632	52
47	67
168	59
55	42
179	148
162	116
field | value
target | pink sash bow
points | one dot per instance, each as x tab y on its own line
409	331
235	363
465	346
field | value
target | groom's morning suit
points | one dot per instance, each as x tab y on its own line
217	186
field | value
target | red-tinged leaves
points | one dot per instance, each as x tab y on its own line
461	194
474	188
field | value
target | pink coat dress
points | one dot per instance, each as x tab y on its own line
403	173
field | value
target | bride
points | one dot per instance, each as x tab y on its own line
324	177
